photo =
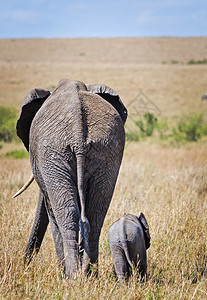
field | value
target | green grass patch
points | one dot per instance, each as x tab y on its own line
17	154
189	128
197	62
8	119
147	124
132	136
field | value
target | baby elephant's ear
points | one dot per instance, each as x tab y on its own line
31	104
110	96
145	228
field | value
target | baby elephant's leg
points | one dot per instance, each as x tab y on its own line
120	264
141	265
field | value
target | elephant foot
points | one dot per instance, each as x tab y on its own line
88	264
71	258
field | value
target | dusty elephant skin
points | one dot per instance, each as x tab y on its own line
129	238
75	137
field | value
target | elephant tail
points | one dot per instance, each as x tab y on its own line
124	243
80	142
83	223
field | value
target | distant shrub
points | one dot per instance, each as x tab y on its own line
174	62
17	154
141	128
190	128
132	136
147	124
8	117
197	62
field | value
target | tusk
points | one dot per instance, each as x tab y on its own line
25	186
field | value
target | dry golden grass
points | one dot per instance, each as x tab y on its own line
167	184
126	64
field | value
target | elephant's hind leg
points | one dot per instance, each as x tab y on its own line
142	266
120	263
102	166
65	222
58	240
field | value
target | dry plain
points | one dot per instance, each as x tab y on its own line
167	183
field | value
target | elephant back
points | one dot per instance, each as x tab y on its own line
111	96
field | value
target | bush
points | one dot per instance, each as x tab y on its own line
8	117
132	136
197	62
141	128
147	125
190	129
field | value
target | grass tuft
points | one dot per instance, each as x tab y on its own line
18	154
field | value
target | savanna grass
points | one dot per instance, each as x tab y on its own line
168	184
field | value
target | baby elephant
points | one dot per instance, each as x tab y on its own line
129	238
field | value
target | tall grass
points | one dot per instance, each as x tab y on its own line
167	184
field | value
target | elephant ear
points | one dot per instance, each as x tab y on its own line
145	228
31	104
110	96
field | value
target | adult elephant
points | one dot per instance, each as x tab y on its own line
75	137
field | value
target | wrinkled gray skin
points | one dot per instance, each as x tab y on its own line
75	137
129	238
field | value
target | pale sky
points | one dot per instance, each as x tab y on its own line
108	18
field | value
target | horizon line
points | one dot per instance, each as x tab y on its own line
104	37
